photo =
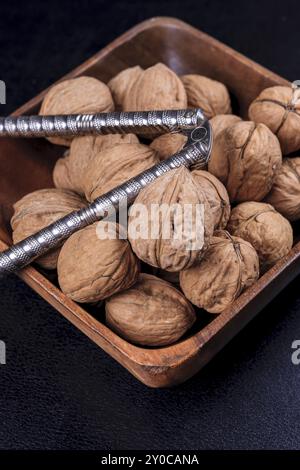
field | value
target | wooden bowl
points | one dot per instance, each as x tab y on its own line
26	165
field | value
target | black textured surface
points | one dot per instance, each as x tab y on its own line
60	391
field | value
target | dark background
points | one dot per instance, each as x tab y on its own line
60	391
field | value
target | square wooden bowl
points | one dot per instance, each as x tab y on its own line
26	165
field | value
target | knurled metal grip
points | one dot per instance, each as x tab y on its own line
135	122
196	152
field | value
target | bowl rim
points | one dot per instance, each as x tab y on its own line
172	356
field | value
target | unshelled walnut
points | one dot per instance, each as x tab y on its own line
209	95
246	158
37	210
151	313
92	267
229	266
278	107
170	222
216	195
115	165
168	144
222	121
262	226
69	171
61	174
157	87
84	95
121	84
285	192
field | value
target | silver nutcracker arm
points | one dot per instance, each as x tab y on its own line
196	152
135	122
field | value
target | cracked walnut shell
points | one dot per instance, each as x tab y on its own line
82	95
91	268
278	107
209	95
157	87
229	266
151	313
246	158
170	222
41	208
262	226
285	193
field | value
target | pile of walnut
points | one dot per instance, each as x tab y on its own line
249	194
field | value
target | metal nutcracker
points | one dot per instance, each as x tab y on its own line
190	122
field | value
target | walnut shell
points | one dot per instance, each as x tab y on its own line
222	121
262	226
157	87
209	95
151	313
159	234
168	144
37	210
285	193
61	174
84	95
115	165
122	82
246	158
229	266
91	268
69	171
276	108
216	195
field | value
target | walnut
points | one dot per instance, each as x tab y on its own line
37	210
262	226
91	268
209	95
168	144
69	171
170	222
229	266
278	108
285	193
246	158
61	175
216	195
157	87
122	82
115	165
84	95
222	121
151	313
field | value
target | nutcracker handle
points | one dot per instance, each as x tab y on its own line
136	122
197	152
